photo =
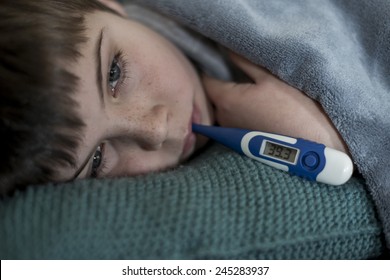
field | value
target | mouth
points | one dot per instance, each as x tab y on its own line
190	138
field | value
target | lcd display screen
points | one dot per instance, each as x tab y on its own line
280	152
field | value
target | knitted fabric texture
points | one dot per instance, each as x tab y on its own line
220	206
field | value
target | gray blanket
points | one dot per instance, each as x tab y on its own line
337	52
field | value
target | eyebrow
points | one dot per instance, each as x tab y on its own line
99	82
99	75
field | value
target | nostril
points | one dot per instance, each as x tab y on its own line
155	128
154	137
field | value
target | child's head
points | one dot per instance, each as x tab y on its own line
85	92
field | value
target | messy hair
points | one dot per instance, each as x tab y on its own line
39	125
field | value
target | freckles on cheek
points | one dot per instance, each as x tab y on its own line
148	83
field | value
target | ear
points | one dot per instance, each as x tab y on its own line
114	5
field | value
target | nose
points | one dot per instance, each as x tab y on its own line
150	128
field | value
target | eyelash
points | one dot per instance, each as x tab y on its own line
121	61
99	170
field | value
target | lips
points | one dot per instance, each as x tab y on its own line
189	144
190	138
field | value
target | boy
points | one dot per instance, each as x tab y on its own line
86	92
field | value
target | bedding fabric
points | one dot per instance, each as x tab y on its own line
220	206
335	51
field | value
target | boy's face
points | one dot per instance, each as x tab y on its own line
138	96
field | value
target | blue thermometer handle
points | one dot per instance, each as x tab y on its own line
301	157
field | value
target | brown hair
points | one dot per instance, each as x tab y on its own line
39	125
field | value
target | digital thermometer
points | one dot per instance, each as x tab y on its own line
301	157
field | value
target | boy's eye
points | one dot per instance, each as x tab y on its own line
97	160
114	75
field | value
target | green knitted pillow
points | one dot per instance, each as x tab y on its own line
219	206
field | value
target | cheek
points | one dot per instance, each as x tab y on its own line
169	82
166	66
132	163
